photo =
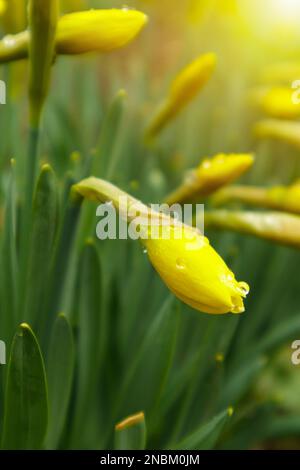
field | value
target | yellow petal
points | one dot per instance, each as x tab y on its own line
98	30
195	273
277	102
210	175
184	88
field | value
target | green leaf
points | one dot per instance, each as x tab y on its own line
9	262
26	401
44	226
91	332
207	435
149	370
105	160
130	434
60	371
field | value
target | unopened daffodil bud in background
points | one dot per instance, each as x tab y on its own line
277	102
98	30
182	256
82	32
43	15
184	88
3	7
278	227
284	198
210	175
286	131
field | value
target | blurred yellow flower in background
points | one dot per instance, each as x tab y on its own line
98	30
186	85
210	175
82	32
3	6
277	102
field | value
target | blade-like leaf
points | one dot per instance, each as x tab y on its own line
60	370
207	435
148	373
44	225
26	401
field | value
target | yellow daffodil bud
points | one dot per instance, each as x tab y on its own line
210	175
195	273
98	30
43	16
283	198
286	131
181	255
277	102
3	7
183	89
273	226
82	32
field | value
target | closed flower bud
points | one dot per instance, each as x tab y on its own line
273	226
82	32
183	89
210	175
181	255
195	273
277	102
3	6
286	131
98	30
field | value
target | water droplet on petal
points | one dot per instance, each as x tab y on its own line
145	251
180	263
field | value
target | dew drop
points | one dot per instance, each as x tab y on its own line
145	251
180	263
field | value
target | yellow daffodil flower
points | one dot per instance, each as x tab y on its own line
82	32
273	226
183	89
284	198
210	175
286	131
182	256
277	102
3	6
98	30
